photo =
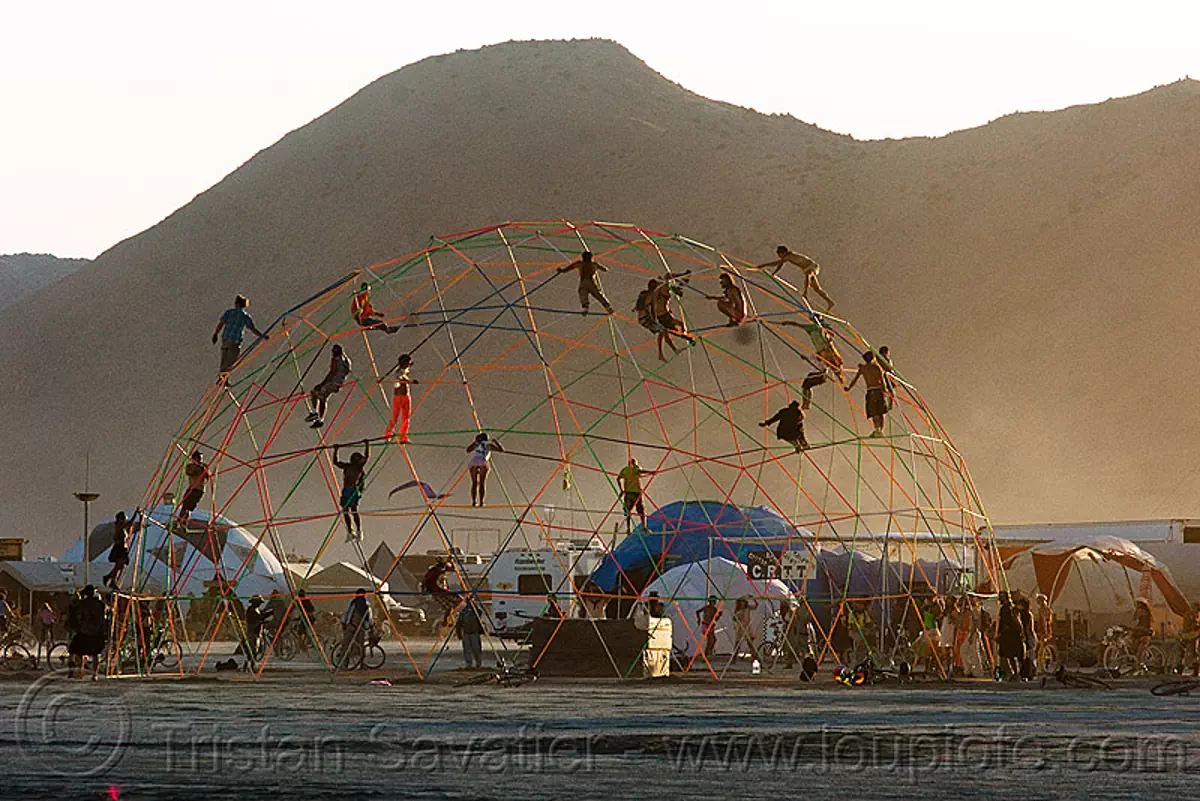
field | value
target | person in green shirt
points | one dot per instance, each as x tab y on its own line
631	488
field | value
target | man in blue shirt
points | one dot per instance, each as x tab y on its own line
231	327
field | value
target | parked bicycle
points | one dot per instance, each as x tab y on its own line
503	675
1122	659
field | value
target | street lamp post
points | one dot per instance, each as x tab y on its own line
87	498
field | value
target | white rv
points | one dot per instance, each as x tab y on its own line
523	582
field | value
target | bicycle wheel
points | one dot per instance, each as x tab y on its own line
1154	659
17	657
374	657
1117	658
1048	657
167	657
286	647
59	656
346	658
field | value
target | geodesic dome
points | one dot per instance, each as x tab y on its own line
500	344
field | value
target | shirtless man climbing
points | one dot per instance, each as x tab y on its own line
810	268
875	377
660	309
589	280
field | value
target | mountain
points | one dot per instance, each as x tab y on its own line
22	274
1035	276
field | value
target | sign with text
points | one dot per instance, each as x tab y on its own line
784	565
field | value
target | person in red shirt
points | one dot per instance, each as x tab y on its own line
364	313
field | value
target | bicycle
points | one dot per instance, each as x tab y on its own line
503	675
359	655
1078	681
1121	659
1177	687
14	654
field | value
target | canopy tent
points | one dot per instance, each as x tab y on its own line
1091	574
689	585
185	562
331	589
693	531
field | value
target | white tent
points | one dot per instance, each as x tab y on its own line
684	590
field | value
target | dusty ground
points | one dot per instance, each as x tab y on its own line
299	737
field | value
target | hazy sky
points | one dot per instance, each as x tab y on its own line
112	115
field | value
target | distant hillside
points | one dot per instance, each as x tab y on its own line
1036	277
22	274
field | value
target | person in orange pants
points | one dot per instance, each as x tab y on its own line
401	399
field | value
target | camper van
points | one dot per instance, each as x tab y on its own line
525	581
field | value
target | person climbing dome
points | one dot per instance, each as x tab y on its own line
339	369
644	307
481	454
660	309
872	374
730	302
401	399
589	280
354	477
885	361
232	328
828	359
790	426
364	313
810	268
118	555
197	474
631	489
436	583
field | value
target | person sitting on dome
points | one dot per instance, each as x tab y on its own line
339	369
791	425
809	267
354	476
589	280
658	298
730	302
364	313
875	378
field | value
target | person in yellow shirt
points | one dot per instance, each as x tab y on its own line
631	488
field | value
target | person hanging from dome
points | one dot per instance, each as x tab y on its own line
401	399
481	454
654	311
197	473
232	328
589	280
364	313
339	369
809	267
874	377
790	426
118	555
828	359
730	302
354	477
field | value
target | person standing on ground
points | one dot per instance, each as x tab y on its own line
354	478
873	376
231	328
791	425
197	474
809	267
43	620
118	555
401	399
743	619
1011	639
5	613
589	280
706	618
339	369
91	631
730	302
365	315
631	489
481	454
470	631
